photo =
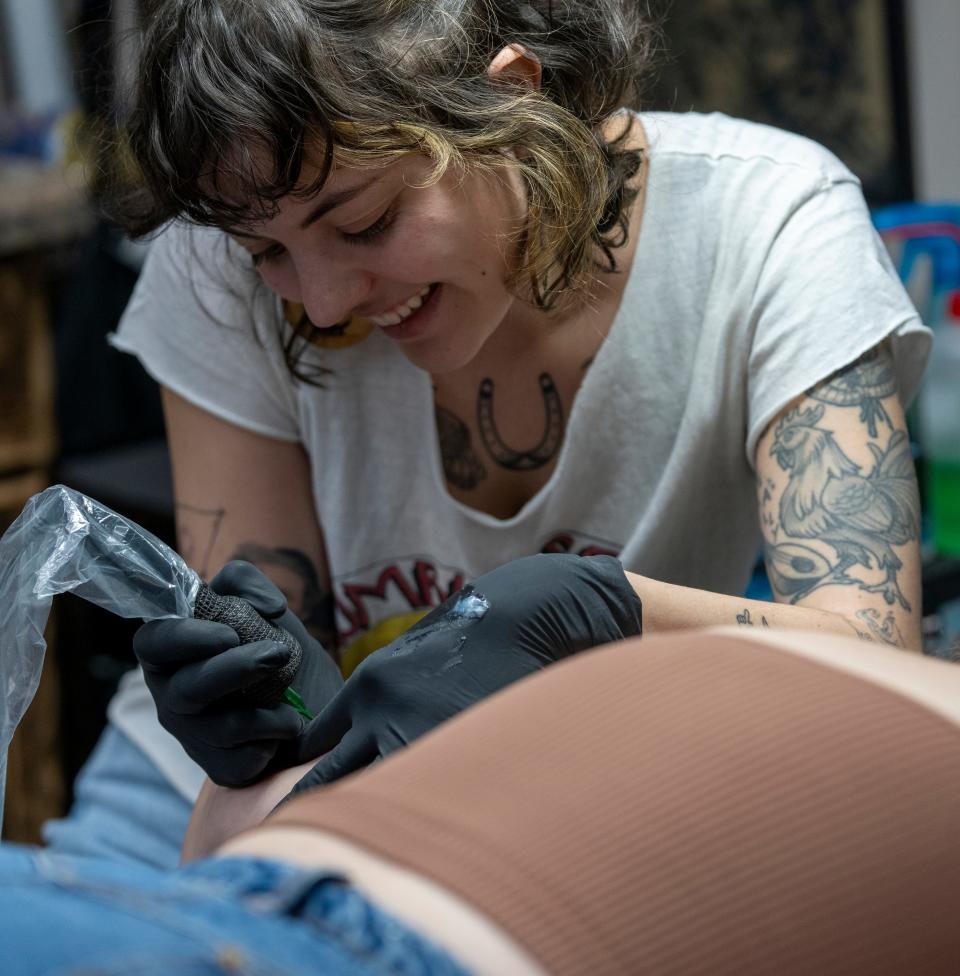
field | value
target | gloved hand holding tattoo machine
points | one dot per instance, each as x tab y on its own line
64	541
234	673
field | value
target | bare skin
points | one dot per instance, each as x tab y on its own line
222	821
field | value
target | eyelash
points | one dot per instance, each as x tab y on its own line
267	254
374	230
364	236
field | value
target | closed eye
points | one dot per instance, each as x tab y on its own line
270	253
374	230
378	227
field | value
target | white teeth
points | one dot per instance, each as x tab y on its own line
397	315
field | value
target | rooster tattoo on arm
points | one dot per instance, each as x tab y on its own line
862	514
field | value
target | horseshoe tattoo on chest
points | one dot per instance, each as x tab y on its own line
507	456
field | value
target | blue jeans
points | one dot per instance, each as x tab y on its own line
124	809
72	915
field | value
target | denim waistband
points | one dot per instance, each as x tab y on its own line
221	915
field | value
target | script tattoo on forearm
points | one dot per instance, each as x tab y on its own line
744	619
197	532
462	466
294	572
860	513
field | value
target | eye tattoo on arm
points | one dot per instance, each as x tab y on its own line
294	572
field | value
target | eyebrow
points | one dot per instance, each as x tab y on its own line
331	202
336	199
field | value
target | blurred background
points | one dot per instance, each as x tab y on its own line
877	81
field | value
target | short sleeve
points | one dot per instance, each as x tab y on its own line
203	327
826	293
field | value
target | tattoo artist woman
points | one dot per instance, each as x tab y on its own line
432	295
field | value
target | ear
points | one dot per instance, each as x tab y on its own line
516	63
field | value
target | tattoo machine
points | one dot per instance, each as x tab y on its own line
64	541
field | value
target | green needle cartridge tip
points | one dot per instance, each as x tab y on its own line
293	699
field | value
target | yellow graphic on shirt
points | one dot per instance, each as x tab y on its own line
379	636
339	336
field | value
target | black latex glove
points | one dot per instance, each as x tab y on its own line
197	671
539	609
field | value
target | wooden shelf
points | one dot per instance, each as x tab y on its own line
27	438
35	788
41	207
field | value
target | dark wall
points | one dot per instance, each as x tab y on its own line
833	70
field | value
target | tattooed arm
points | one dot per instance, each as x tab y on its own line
840	513
839	505
240	495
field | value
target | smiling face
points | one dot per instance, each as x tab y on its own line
219	148
426	265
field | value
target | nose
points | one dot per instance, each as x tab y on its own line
331	293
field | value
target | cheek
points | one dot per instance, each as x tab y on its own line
447	246
420	237
434	237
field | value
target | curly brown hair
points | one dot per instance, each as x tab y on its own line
360	82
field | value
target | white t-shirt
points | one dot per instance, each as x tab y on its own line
757	273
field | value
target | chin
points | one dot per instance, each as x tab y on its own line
439	359
434	361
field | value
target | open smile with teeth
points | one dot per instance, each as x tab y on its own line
396	315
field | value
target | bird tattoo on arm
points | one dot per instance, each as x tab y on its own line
860	514
838	502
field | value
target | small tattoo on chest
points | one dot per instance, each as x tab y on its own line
507	456
462	466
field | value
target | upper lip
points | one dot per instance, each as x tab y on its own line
387	309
